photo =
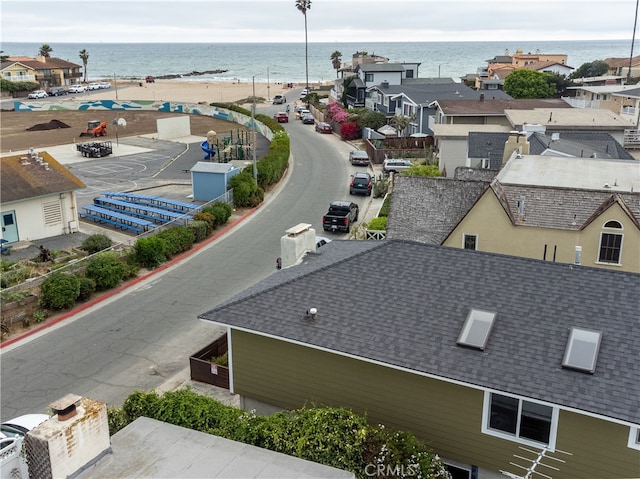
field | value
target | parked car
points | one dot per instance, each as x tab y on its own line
77	88
21	425
93	86
308	119
321	241
360	184
359	157
58	91
38	94
279	99
340	217
282	117
150	79
104	85
304	93
323	127
395	165
303	112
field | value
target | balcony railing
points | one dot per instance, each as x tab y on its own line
16	78
631	139
575	103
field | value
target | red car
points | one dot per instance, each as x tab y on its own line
323	127
282	117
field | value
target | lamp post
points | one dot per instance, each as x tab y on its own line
439	69
115	85
255	135
268	86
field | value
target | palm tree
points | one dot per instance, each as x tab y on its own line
336	61
45	50
303	6
84	56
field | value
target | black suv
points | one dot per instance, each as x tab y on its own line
360	183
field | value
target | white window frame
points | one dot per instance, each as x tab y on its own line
486	410
634	439
611	231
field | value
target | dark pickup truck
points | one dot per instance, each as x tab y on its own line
340	217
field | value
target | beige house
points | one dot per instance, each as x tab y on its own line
620	66
48	72
567	210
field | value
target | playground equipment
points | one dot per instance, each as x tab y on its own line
95	128
236	146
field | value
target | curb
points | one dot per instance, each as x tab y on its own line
133	282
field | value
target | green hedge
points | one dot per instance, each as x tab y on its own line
335	437
107	270
59	291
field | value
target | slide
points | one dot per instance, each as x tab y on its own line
209	152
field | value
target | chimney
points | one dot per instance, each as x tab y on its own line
299	240
481	96
385	84
516	144
70	441
41	58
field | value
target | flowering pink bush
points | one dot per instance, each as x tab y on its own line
336	113
350	131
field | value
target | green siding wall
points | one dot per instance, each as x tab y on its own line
445	415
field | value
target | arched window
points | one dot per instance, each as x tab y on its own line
610	250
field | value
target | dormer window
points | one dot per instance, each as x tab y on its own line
610	250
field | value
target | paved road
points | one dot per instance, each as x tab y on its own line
143	337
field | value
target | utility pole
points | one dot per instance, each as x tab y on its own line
255	133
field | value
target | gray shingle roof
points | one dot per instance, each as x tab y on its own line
411	300
425	93
426	209
561	208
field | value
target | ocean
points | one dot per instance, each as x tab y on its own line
285	62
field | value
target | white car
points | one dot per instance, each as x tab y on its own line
21	425
304	93
105	84
94	86
77	88
38	94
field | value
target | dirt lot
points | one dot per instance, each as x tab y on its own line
16	136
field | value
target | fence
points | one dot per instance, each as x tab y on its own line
120	248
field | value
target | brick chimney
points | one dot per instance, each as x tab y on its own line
73	439
516	144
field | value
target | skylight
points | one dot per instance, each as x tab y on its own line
476	329
582	350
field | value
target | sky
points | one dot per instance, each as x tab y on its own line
275	21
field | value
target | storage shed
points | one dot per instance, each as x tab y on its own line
210	180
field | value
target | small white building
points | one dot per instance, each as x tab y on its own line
37	198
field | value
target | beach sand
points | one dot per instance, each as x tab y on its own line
189	91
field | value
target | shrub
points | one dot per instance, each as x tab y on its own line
245	189
384	210
178	238
106	270
220	211
350	131
150	252
332	436
87	288
206	218
95	243
379	223
200	230
59	291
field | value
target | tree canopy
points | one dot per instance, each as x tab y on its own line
45	50
590	69
529	84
